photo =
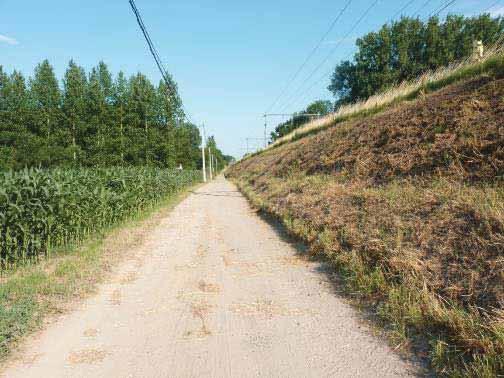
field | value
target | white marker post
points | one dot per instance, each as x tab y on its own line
203	153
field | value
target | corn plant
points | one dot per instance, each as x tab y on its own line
43	209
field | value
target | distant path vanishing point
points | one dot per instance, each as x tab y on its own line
215	292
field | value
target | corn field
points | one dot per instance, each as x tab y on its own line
43	209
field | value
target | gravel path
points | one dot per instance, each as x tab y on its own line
214	292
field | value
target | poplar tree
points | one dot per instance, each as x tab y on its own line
5	150
109	135
96	119
93	121
119	102
14	111
141	106
74	108
46	101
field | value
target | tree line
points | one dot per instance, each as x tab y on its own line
94	119
405	49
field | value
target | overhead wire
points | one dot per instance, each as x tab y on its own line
152	48
438	10
442	8
333	50
491	6
310	55
399	12
422	7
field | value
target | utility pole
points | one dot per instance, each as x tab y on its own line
203	153
210	158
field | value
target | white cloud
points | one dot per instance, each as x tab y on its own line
497	12
8	40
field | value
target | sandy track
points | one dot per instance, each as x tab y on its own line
216	292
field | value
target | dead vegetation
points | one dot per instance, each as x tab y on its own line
409	206
408	90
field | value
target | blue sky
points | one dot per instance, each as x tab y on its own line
231	59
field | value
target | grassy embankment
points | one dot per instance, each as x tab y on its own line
407	91
96	217
408	205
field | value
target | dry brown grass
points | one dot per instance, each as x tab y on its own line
408	205
427	81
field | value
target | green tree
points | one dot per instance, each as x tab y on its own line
187	150
119	103
141	117
103	137
74	109
94	121
13	131
405	49
46	103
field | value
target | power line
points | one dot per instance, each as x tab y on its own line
308	90
442	8
403	8
355	25
422	7
491	6
328	74
147	37
164	74
310	55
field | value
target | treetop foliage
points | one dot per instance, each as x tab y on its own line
405	49
93	119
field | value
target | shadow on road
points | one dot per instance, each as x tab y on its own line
366	312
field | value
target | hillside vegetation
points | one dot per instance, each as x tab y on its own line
399	59
408	205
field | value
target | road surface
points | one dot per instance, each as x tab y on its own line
215	291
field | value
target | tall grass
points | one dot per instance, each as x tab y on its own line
429	81
43	209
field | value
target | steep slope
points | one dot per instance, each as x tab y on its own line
409	206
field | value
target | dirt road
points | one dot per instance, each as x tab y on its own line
214	292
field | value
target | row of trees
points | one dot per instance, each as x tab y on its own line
93	120
405	49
